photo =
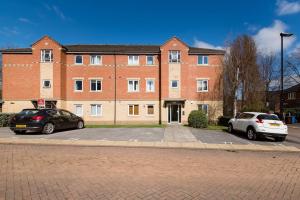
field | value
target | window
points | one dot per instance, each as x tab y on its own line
150	85
133	60
133	86
95	85
78	85
174	56
96	110
202	85
78	60
174	84
46	84
292	95
149	60
204	108
95	60
150	109
65	113
133	110
202	60
78	110
46	55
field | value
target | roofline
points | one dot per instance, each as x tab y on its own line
110	53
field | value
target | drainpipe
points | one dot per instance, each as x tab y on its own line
159	91
115	97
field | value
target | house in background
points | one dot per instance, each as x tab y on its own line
115	83
291	99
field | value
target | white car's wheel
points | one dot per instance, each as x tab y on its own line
251	135
230	128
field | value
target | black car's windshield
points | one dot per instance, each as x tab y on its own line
267	117
29	112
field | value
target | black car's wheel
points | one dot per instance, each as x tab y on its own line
19	132
251	135
230	128
279	139
80	125
48	128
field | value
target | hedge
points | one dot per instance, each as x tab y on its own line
198	119
4	119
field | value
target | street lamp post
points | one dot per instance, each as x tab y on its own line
281	82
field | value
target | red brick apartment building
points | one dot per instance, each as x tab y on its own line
115	83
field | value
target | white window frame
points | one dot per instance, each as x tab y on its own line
147	109
75	109
133	115
203	105
133	63
100	60
81	60
198	81
138	88
97	107
97	90
202	60
75	80
171	85
43	53
291	95
153	63
43	82
178	55
153	80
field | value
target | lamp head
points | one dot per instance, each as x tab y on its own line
286	34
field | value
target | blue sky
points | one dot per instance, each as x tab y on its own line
198	23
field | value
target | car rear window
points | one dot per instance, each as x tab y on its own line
29	112
268	117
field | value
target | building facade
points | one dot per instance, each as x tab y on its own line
120	84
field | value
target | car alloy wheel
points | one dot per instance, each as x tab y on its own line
230	129
80	125
48	128
251	134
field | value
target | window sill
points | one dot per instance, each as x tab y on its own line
133	91
133	115
99	91
46	62
202	64
150	91
79	91
203	91
135	65
95	65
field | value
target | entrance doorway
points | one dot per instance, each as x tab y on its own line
174	113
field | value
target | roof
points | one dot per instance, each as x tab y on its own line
117	49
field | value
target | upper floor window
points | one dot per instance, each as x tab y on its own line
292	95
150	60
133	86
78	60
46	55
46	84
133	60
202	60
174	56
150	86
202	85
78	85
95	60
174	84
95	85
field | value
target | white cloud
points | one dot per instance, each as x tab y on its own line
202	44
268	38
285	7
25	20
59	12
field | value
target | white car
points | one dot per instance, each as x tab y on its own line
257	124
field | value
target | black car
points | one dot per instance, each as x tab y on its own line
44	120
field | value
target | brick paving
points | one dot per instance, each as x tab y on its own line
68	172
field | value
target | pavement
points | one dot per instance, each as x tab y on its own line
173	136
43	172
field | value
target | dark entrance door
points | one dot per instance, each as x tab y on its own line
174	113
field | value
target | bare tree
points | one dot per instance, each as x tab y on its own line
293	66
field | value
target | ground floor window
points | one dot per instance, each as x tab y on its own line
78	110
96	110
133	110
150	109
203	107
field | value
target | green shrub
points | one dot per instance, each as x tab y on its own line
223	120
197	119
4	119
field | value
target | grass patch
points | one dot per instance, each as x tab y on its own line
217	128
127	126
